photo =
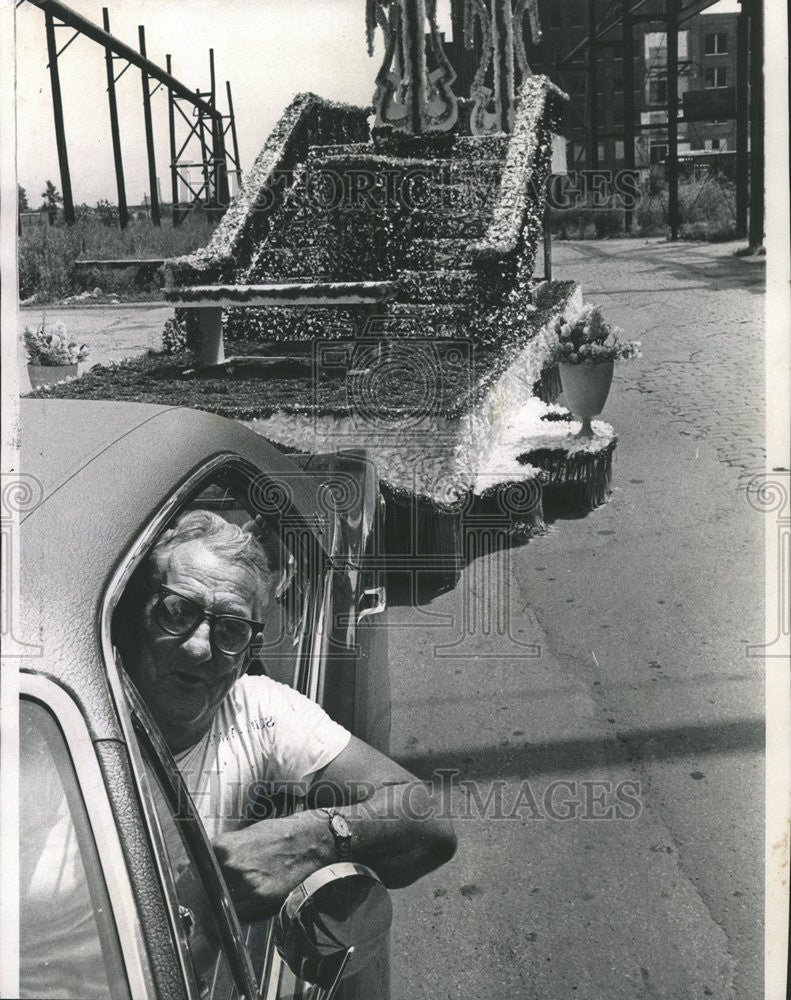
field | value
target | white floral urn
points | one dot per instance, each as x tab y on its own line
586	385
52	355
44	375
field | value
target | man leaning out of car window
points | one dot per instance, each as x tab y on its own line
201	596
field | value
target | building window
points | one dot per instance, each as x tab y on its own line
576	15
658	152
657	91
554	16
617	85
655	47
715	76
619	154
716	43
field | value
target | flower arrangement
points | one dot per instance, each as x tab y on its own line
587	338
54	347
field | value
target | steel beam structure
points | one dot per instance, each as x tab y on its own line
60	132
174	176
209	134
605	26
232	126
647	127
742	117
749	67
593	90
628	102
220	170
206	157
115	132
215	172
211	121
152	164
756	233
117	47
609	23
671	163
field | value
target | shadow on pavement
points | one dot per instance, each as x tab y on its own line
633	747
420	579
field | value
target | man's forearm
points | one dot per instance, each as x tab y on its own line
400	833
396	831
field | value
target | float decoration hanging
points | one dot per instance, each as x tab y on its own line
502	34
408	96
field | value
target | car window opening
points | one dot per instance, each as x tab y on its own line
210	965
283	651
285	617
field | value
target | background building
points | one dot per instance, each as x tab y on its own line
595	123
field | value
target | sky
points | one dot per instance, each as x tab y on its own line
268	49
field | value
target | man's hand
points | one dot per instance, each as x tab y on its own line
266	860
396	827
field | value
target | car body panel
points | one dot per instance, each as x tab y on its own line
143	874
363	699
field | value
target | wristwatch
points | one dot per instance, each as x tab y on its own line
341	832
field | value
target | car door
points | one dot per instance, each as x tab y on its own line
308	629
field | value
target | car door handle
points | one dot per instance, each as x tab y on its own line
374	601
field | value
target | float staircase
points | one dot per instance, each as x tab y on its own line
408	259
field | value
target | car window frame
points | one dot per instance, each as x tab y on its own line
101	820
168	776
155	524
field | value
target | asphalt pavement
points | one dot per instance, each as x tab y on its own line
588	696
112	332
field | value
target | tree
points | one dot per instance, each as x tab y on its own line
52	198
107	213
22	202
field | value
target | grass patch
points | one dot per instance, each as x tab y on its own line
294	385
409	377
291	386
47	254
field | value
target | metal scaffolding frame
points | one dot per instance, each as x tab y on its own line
212	126
206	136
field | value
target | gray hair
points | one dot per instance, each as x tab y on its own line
220	537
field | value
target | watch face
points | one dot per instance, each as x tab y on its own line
339	826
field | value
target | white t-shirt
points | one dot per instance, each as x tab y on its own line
266	737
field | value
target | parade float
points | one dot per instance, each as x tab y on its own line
373	286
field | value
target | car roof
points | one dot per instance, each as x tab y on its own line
58	437
101	470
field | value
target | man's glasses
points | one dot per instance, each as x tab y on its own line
180	616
